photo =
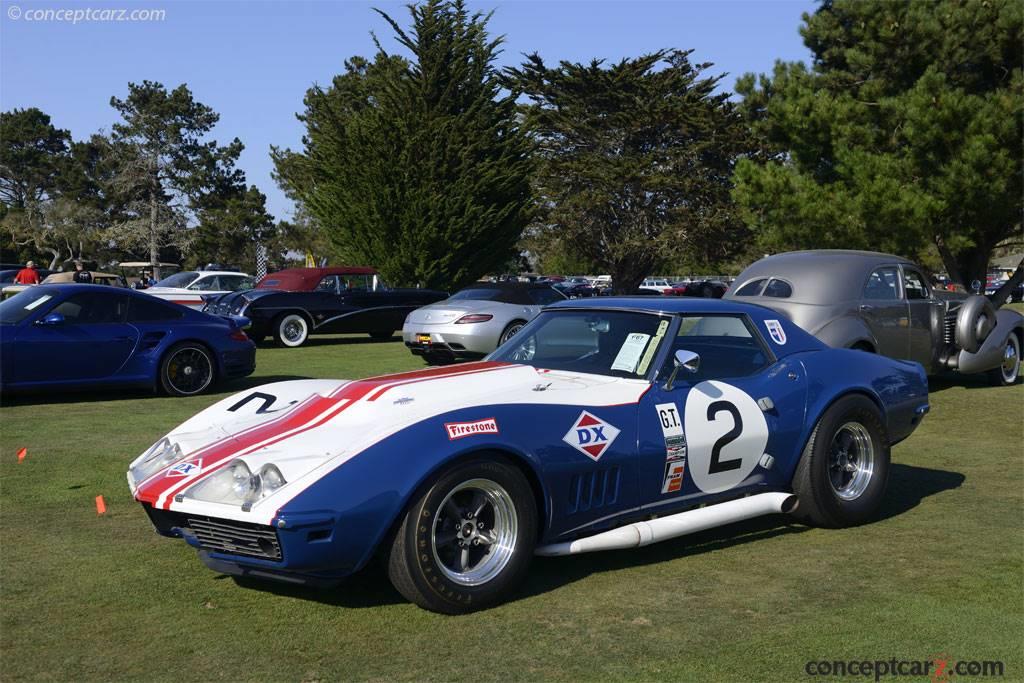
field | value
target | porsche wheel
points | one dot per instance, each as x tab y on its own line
291	330
1009	370
467	540
186	370
842	474
511	331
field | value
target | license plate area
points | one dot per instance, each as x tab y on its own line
423	339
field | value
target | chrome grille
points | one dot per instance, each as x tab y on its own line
237	538
949	328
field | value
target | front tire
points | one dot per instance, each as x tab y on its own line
843	472
291	330
467	540
1009	370
187	369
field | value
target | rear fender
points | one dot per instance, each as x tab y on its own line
990	355
845	333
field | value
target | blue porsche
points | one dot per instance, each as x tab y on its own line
92	335
603	424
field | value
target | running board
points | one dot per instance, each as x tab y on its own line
655	530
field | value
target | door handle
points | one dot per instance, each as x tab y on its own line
866	308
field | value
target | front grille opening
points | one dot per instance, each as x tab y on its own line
236	538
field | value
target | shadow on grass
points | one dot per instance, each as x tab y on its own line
87	394
332	340
937	383
908	486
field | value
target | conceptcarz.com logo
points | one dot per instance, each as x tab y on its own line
939	669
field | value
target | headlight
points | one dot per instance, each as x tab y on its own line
160	455
237	485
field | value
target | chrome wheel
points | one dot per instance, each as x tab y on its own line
293	330
475	531
510	332
851	460
188	371
1011	361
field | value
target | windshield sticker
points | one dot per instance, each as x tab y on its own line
631	351
38	302
652	348
776	331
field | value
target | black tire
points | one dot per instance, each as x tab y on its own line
1009	371
426	551
382	335
256	338
291	329
438	359
863	346
819	484
187	369
511	330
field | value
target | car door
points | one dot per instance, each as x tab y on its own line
91	342
923	309
731	427
884	310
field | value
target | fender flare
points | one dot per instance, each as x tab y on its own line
846	332
975	321
989	353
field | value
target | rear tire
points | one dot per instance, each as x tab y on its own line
1009	371
467	540
291	330
187	369
511	330
841	478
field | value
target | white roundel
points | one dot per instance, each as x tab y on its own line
726	434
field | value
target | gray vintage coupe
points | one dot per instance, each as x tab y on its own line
885	304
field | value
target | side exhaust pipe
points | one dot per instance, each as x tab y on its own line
653	531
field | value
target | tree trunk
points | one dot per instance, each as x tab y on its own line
1003	293
966	266
56	257
154	249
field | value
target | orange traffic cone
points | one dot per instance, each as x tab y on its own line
101	507
22	452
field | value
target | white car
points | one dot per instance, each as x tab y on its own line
658	285
188	286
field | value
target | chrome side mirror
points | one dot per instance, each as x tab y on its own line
683	360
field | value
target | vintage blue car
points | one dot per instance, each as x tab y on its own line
607	423
92	335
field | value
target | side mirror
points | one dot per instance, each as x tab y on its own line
683	360
51	319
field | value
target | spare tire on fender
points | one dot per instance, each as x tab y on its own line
974	322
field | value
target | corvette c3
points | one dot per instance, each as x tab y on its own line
601	425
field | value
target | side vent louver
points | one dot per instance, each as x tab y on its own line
593	490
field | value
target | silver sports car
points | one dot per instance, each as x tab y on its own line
885	304
474	321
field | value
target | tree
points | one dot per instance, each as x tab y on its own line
230	231
635	162
417	167
166	170
904	132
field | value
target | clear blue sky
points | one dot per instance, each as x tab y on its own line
253	61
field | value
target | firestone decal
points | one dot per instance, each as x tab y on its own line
590	435
775	329
460	430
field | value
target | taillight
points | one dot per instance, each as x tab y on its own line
239	335
474	318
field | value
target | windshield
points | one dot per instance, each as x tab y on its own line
613	343
24	303
179	280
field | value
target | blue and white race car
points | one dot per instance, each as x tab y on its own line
607	424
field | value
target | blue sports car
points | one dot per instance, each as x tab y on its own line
603	424
91	335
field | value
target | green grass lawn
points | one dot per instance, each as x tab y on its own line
85	597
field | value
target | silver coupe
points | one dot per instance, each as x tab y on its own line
885	304
474	321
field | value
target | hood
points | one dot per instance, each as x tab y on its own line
309	427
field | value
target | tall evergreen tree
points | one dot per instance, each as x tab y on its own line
904	132
417	167
166	168
635	162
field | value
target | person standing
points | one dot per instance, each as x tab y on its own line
81	275
27	275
